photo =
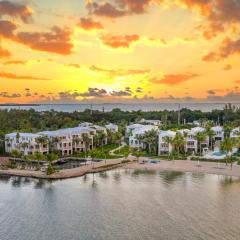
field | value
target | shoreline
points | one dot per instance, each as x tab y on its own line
67	173
188	166
163	166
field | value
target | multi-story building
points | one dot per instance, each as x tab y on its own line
137	131
218	133
96	129
70	140
26	143
151	122
235	133
192	143
164	145
112	127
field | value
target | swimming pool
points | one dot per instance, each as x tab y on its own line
218	153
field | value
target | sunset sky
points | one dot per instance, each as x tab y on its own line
119	50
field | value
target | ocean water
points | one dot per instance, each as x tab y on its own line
123	106
121	205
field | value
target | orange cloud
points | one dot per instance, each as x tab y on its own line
14	76
174	79
6	29
15	10
228	47
75	65
4	53
15	62
220	14
137	7
89	24
56	41
118	8
104	9
119	41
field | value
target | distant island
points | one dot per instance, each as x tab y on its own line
17	104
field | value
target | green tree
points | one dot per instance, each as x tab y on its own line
200	137
87	141
227	146
51	157
42	141
178	142
15	153
39	157
149	139
24	146
117	138
169	141
227	127
76	140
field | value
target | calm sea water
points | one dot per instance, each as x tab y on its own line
121	205
126	107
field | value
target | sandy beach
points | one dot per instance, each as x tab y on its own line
189	166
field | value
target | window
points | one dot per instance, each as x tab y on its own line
190	143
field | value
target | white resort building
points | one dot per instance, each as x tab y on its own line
70	140
192	143
151	122
235	133
26	143
112	127
218	133
135	131
164	146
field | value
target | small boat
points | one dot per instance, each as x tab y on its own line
155	161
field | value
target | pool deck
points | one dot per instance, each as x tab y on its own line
188	166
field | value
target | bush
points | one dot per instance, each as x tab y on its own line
234	159
50	169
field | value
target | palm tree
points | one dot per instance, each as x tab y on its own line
178	142
150	139
200	137
24	146
53	142
110	136
42	140
102	138
17	137
227	146
93	154
227	127
76	141
117	138
87	140
169	141
38	156
185	135
210	133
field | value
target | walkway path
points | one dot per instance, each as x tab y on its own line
113	152
67	173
